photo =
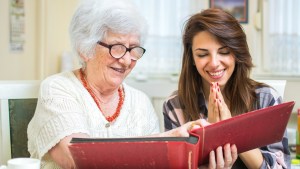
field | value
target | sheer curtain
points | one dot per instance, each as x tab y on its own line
283	37
164	48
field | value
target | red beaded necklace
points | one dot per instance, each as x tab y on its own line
121	98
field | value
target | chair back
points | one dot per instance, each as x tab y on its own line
278	85
17	105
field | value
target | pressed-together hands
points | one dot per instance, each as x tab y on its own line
222	157
217	108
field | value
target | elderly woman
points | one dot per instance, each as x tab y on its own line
93	101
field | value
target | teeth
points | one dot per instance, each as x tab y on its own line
119	70
216	73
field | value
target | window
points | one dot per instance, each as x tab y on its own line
281	34
164	47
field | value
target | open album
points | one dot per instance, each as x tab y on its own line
247	131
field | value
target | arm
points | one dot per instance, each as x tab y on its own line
58	114
275	155
60	152
252	158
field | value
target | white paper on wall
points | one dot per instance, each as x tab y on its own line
17	25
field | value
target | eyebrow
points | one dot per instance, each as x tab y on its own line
207	50
118	42
223	47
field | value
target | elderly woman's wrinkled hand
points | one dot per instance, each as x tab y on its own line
183	131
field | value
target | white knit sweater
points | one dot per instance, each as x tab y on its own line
65	107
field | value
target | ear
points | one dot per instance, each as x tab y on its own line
84	57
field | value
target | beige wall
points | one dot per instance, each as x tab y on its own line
54	39
46	38
18	65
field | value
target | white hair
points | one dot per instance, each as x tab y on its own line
94	18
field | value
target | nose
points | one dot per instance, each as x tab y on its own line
215	60
126	59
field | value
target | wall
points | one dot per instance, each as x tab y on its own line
55	16
46	34
19	65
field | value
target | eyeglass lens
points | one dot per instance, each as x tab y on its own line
118	51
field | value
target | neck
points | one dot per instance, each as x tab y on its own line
108	115
105	95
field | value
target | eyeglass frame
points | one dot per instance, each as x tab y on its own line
127	50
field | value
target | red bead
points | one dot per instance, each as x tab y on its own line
121	98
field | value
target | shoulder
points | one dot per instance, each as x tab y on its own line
140	106
61	82
172	101
59	78
134	95
267	96
173	97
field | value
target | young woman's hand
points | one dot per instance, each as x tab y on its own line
217	108
221	158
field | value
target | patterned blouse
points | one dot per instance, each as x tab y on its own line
275	155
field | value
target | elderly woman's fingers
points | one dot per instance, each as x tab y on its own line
197	124
201	122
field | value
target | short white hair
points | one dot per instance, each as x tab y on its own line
94	18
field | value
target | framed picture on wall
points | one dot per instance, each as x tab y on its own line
237	8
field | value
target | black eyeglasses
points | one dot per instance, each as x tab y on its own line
118	50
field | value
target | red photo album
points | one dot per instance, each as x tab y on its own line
247	131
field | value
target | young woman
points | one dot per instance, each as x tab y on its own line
214	83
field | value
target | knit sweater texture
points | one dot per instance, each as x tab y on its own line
65	107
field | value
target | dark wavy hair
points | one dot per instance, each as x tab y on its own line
240	89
